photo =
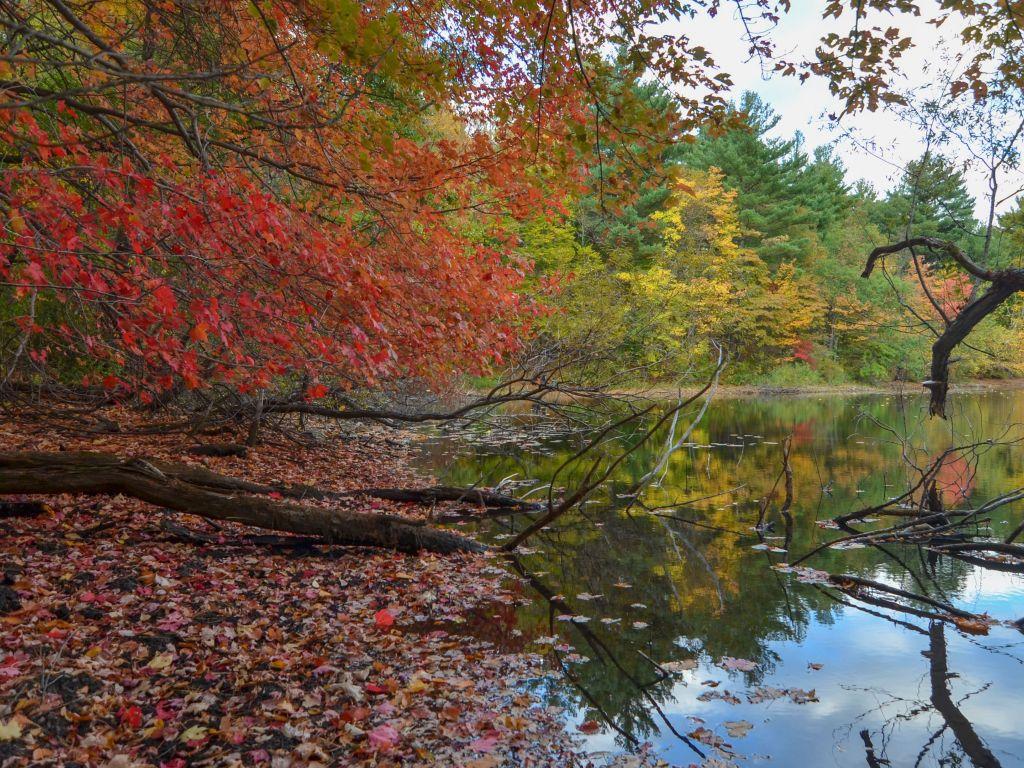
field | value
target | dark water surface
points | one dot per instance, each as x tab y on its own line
744	640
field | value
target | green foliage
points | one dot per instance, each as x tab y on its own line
931	200
769	176
749	243
794	375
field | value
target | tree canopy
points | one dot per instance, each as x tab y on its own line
316	195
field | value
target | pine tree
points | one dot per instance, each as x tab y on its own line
823	189
931	200
766	173
627	235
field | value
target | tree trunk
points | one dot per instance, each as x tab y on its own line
200	492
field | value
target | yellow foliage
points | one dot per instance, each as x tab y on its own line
705	286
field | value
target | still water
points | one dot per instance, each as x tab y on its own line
687	636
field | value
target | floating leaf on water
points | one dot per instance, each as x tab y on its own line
737	729
640	606
733	664
607	620
768	693
640	625
622	585
587	596
706	736
726	696
814	666
765	693
804	574
683	665
978	626
798	696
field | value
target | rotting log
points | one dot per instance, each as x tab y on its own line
216	497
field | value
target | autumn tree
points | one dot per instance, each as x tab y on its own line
252	208
249	208
766	173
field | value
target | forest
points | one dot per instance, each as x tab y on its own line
758	244
360	377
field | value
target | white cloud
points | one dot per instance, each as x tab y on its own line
874	146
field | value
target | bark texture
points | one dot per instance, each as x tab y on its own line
198	491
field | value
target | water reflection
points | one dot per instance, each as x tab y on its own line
678	630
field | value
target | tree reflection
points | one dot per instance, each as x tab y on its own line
691	563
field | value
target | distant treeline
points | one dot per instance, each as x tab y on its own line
751	242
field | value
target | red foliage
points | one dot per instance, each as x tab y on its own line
211	279
802	351
299	188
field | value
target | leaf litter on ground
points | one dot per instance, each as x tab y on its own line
133	647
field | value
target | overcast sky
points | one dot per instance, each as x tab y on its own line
882	144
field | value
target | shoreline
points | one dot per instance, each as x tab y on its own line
748	391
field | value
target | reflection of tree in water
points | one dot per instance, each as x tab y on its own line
706	592
942	711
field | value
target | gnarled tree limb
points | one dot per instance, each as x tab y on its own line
1002	284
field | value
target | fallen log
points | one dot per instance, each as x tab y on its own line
219	449
224	484
216	497
478	496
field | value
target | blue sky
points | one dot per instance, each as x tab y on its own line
873	146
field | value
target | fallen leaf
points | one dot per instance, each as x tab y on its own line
161	661
740	665
383	737
195	733
10	730
484	743
737	729
979	626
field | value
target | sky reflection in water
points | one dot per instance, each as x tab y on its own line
917	692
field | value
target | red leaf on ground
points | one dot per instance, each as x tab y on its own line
383	619
383	737
131	716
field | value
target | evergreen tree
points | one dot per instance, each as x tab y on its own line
766	173
931	200
628	236
823	190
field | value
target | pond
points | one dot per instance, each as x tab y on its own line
682	631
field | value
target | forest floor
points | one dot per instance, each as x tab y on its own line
133	636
